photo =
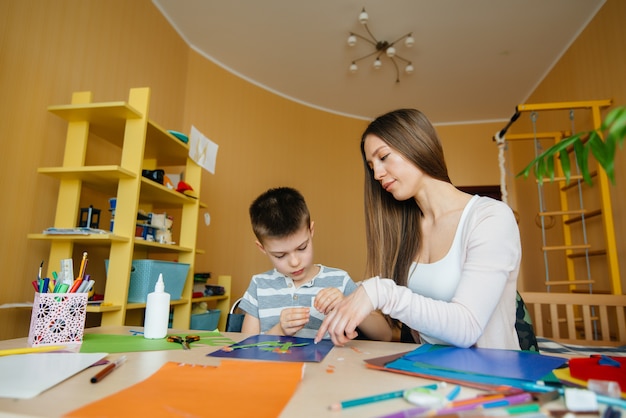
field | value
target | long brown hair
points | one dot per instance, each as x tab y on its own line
392	227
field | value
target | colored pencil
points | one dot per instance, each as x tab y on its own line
374	398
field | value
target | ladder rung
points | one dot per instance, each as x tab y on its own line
567	282
587	254
571	178
566	247
572	185
585	216
559	178
563	212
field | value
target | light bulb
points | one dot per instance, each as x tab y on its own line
409	68
409	41
351	40
377	64
363	17
353	68
391	51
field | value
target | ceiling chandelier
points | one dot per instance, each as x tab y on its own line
381	48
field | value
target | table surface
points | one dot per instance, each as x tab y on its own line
342	375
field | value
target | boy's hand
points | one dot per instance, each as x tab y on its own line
342	321
326	299
293	320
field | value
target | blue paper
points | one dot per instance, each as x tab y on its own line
277	348
404	365
504	364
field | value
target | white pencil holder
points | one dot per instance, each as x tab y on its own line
58	318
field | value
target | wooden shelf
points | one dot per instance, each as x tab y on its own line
95	239
165	248
211	298
162	197
165	147
106	120
105	308
143	144
139	305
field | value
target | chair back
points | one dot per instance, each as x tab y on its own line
578	318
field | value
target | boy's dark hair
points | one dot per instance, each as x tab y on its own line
279	212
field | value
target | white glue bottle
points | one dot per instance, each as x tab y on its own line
157	312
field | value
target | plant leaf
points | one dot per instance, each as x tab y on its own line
598	148
565	166
582	159
614	127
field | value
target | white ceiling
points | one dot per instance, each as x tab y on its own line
474	60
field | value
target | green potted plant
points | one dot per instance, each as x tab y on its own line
612	129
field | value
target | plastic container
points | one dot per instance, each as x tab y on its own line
144	275
205	321
157	312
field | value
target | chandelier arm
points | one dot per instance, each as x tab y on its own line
366	56
400	38
401	58
370	33
397	70
364	38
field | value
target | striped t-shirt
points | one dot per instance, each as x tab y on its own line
270	292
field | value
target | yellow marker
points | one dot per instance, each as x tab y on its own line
27	350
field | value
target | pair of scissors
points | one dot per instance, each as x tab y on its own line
183	341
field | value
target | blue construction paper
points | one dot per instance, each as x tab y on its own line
511	364
270	347
404	365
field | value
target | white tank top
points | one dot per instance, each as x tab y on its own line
440	279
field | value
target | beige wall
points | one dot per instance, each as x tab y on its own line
593	68
266	141
50	49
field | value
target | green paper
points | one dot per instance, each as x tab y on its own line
110	343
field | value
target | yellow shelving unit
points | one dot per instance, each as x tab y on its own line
143	145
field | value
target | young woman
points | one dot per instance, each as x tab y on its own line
441	261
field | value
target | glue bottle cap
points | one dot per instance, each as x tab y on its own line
160	285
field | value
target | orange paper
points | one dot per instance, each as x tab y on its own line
234	388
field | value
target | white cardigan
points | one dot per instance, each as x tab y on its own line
481	310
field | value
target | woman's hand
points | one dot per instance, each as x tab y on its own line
326	299
342	321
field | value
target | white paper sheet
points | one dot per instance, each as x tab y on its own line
25	376
202	150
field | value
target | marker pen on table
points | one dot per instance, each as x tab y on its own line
108	369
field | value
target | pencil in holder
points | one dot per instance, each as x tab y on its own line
57	318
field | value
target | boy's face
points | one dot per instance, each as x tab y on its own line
292	255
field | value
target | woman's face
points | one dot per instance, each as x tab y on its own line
396	175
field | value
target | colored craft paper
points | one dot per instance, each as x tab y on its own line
565	376
512	364
232	389
460	368
110	343
277	348
25	376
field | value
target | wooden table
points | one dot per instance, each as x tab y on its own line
342	375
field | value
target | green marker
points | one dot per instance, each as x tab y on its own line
522	409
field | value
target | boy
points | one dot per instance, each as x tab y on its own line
293	298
